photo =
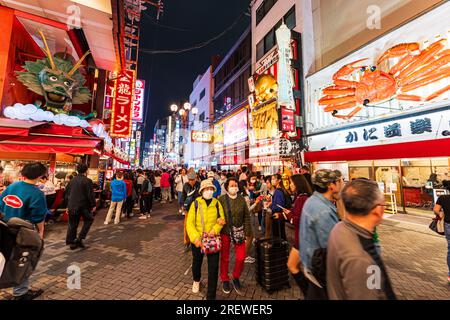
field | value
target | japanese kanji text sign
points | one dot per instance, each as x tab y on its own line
138	110
122	108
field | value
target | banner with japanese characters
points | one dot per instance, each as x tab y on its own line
122	107
430	126
138	105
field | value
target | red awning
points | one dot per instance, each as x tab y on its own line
417	149
116	158
10	127
46	144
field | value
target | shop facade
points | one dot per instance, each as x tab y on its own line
275	105
386	115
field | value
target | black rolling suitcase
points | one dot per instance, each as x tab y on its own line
271	264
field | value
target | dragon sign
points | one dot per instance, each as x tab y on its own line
58	80
416	68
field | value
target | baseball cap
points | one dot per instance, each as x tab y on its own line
192	176
322	178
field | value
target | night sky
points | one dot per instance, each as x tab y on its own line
184	23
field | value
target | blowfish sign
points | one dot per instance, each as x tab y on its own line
122	108
138	110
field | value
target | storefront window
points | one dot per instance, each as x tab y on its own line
360	169
388	177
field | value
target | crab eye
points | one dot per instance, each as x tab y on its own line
67	83
53	78
373	68
363	69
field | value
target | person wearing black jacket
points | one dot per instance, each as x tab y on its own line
80	203
146	198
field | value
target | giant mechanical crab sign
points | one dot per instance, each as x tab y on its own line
416	68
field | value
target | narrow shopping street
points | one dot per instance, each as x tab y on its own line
146	260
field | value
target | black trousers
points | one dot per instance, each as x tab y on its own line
158	193
316	293
278	229
128	206
50	199
213	270
74	221
146	202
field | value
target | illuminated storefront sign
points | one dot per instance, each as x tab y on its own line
138	105
265	123
218	137
122	105
284	75
201	136
421	84
236	128
264	149
416	128
287	120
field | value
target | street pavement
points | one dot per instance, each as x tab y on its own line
146	260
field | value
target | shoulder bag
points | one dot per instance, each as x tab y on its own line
237	233
210	245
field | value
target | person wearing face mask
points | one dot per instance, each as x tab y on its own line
236	230
205	216
216	184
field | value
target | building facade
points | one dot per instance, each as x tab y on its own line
230	143
399	133
198	154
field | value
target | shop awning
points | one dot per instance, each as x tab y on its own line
46	144
9	127
112	156
417	149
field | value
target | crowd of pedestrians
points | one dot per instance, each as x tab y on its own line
334	250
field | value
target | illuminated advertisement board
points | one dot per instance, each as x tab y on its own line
235	128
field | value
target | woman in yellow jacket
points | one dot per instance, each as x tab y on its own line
213	221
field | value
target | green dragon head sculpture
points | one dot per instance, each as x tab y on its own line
57	80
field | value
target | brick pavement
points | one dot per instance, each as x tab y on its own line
146	260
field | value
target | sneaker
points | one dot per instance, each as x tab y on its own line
105	223
116	223
259	228
131	215
226	287
249	260
30	295
195	287
237	286
80	244
148	215
123	215
73	246
183	213
143	217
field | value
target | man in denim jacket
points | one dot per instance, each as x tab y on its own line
318	218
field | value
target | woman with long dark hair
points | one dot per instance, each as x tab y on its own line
277	205
302	190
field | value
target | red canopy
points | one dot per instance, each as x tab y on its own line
417	149
30	136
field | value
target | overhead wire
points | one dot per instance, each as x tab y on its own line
197	46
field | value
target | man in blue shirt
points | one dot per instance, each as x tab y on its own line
319	216
24	200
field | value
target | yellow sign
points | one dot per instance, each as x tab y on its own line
201	136
265	122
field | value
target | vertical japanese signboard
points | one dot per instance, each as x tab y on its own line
122	108
138	105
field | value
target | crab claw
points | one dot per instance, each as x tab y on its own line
400	50
348	69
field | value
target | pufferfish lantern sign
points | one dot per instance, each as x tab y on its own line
58	80
416	68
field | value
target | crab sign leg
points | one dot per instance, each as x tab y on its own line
434	77
337	100
400	50
401	64
341	106
428	69
425	56
338	91
350	115
346	70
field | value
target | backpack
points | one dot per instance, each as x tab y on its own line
149	187
22	247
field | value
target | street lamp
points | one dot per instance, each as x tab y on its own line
174	108
181	112
187	106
